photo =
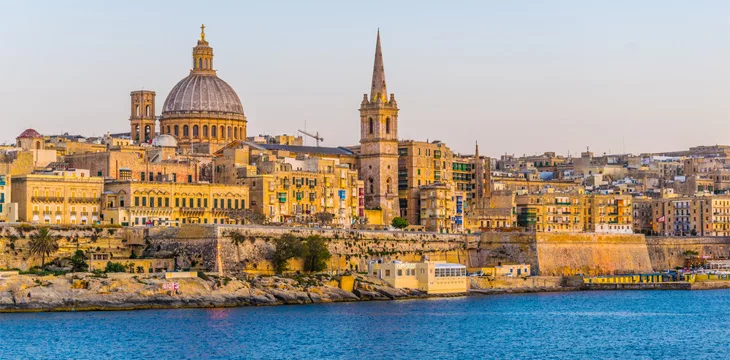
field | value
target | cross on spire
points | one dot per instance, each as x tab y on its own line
202	32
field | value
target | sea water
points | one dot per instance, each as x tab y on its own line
569	325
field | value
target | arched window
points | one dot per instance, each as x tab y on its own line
387	126
168	129
135	133
147	133
186	131
136	109
387	186
205	131
147	110
200	63
370	126
230	132
195	131
177	131
235	133
242	133
213	132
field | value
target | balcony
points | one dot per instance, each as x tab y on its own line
87	200
46	199
84	213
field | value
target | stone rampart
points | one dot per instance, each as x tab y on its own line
667	252
591	254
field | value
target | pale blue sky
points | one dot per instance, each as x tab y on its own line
518	76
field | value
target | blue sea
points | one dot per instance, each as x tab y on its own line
578	325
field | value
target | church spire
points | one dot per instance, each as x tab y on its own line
378	91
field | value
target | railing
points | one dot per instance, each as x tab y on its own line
53	199
84	200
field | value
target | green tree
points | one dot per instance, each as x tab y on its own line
112	267
78	262
315	254
690	253
285	248
399	223
44	244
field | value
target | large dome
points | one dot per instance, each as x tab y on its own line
202	92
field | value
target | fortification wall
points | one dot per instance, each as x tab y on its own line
667	252
493	248
591	254
350	249
15	254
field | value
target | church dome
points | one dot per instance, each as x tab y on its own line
202	92
164	140
29	134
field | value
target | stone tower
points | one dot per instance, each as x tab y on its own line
379	143
142	118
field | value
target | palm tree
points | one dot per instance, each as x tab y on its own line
43	244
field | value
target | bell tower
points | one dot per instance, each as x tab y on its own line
379	143
142	118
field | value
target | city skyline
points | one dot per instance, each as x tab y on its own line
530	88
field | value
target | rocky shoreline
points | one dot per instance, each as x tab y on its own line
89	292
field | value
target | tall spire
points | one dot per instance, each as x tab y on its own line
478	176
378	89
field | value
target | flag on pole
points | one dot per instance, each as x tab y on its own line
661	219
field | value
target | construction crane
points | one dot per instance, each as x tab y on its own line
314	136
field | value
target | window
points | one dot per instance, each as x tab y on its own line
400	272
387	272
205	131
177	202
147	110
230	132
195	131
177	131
136	201
213	131
235	133
141	176
190	178
387	126
186	131
370	126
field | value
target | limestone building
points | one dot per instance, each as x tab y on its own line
131	203
379	143
420	163
61	197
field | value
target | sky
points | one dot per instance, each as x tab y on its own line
519	77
